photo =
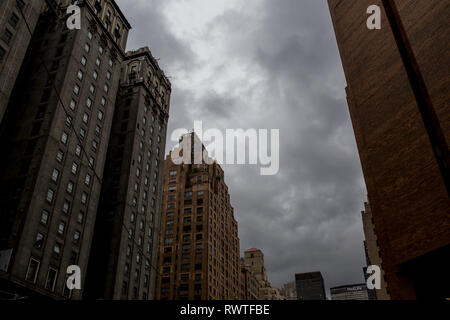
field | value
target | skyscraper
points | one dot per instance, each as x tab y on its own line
397	92
349	292
14	41
126	239
199	245
310	286
56	137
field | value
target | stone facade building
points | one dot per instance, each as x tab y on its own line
126	238
14	40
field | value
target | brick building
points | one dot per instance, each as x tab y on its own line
199	246
397	92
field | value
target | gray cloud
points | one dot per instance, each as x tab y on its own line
307	217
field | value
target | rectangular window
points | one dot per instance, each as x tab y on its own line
51	279
7	36
33	269
14	20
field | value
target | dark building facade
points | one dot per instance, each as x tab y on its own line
397	92
14	41
55	140
310	286
126	237
350	292
199	256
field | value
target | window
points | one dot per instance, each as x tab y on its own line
80	217
69	121
87	47
173	173
51	279
74	168
100	50
92	89
110	63
87	180
98	62
2	53
50	195
7	36
76	237
66	207
89	103
69	187
108	75
103	101
57	249
55	175
85	118
95	75
91	162
83	61
64	138
73	104
39	241
84	198
44	216
14	20
33	268
100	115
82	133
78	151
76	89
80	75
61	227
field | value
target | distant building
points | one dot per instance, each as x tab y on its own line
310	286
289	291
249	284
372	252
349	292
254	259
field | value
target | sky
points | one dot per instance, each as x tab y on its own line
269	64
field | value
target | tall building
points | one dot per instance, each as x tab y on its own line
126	237
310	286
14	40
254	259
289	291
250	285
199	246
57	136
350	292
397	80
372	252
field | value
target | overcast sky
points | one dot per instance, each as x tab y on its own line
269	64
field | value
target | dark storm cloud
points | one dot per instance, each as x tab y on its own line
307	217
